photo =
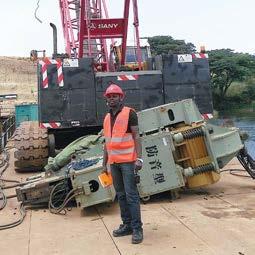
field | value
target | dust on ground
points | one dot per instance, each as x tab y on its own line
17	76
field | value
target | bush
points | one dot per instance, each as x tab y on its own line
248	94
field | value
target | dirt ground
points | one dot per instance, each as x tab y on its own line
17	76
216	220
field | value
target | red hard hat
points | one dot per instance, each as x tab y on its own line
114	89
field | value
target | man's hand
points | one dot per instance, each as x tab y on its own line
138	147
104	171
105	159
138	165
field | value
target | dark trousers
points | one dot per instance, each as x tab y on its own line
127	193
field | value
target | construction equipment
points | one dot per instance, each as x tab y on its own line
71	85
179	150
131	63
31	144
26	112
34	54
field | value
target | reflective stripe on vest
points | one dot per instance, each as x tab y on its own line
120	145
119	152
126	138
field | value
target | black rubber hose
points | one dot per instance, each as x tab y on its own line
4	198
17	222
8	180
10	196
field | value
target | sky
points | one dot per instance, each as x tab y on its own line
214	23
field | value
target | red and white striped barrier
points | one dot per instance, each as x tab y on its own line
207	116
125	77
199	55
44	63
50	125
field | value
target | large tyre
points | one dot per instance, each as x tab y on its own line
31	147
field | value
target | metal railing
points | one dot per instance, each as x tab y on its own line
7	128
6	110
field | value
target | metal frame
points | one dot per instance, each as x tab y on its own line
7	128
87	27
69	11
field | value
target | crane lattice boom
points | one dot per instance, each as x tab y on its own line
87	29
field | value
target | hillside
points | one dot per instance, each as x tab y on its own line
17	76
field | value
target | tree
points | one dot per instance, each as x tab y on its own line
166	44
226	66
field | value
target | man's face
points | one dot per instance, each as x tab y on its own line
113	100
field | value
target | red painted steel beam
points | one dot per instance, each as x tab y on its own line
69	24
125	31
95	26
137	34
82	28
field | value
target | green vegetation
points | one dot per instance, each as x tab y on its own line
232	74
166	44
227	68
239	100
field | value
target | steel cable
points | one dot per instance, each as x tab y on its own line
36	9
17	222
8	180
232	171
4	163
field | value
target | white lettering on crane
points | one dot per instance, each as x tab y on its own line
107	26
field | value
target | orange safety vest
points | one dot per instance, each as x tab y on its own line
120	145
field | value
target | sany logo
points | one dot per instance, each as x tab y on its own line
92	26
103	26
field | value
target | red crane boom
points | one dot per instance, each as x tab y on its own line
87	30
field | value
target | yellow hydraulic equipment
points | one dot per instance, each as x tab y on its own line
192	152
131	62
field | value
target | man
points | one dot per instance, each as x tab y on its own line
123	152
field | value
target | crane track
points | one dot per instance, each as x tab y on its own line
31	147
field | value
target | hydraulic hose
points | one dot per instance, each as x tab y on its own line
4	198
247	162
4	163
57	190
17	222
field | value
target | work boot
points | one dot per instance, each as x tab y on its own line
137	236
123	230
